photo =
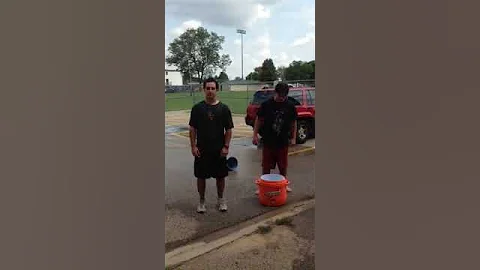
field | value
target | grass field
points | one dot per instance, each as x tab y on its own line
236	100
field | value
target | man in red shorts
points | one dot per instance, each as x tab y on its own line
277	117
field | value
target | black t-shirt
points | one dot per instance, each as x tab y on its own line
278	119
211	122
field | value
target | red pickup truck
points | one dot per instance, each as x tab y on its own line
303	97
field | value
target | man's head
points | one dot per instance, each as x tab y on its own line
281	91
210	87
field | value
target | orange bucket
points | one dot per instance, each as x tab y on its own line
272	189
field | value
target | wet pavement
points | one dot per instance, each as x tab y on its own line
183	224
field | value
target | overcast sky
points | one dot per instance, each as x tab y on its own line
283	30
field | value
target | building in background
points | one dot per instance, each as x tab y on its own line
173	77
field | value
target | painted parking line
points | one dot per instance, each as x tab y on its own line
306	150
179	135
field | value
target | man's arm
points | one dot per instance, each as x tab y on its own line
294	124
193	136
228	127
228	137
258	120
294	130
257	125
192	131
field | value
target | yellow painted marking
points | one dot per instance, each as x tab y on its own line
308	149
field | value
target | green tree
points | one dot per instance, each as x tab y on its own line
268	72
254	75
299	70
312	73
196	52
223	77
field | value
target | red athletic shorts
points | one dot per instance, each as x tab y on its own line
272	156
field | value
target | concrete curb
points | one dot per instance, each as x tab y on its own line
191	251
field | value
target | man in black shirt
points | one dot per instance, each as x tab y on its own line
278	119
211	127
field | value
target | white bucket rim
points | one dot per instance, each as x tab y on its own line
272	177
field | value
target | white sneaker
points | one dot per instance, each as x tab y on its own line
222	205
201	208
289	189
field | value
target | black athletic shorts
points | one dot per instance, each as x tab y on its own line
210	165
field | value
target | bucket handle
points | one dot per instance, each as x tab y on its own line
258	182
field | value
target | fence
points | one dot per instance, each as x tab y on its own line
180	88
236	94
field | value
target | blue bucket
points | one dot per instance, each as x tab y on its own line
232	163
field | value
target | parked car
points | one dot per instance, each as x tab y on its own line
169	89
304	99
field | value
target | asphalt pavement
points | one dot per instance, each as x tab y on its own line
183	224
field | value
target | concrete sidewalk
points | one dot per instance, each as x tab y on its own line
284	243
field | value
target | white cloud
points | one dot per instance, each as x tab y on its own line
255	16
255	62
263	46
281	60
264	40
308	38
262	12
308	15
228	13
177	31
257	51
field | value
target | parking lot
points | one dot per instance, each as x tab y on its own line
182	223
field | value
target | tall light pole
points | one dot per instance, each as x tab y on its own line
241	32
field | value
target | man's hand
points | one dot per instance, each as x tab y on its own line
195	151
224	152
255	139
293	141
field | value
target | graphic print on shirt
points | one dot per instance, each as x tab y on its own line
210	115
278	121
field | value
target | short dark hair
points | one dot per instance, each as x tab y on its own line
282	89
210	80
